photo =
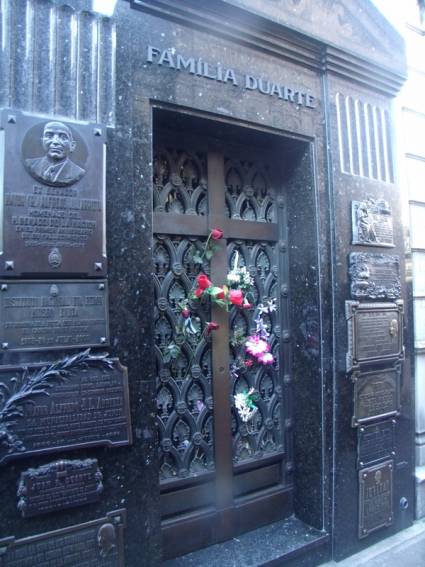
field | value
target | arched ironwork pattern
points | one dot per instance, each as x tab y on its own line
184	395
263	434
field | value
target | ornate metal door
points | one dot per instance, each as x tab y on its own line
219	476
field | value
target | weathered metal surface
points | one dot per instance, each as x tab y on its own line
77	402
99	543
372	223
375	332
374	276
40	314
376	394
53	197
375	442
59	485
375	498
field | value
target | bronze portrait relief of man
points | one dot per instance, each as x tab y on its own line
55	167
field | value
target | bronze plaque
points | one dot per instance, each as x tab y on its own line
53	213
376	394
375	442
374	276
375	332
372	223
99	543
40	315
77	402
375	498
59	485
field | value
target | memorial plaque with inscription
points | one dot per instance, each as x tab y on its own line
376	394
59	485
375	332
375	498
374	276
375	442
77	402
39	315
99	543
53	214
372	223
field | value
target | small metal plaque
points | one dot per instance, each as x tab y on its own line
376	394
375	332
96	543
53	213
73	403
59	485
374	276
372	223
375	442
375	498
39	314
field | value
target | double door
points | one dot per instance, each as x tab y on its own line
219	475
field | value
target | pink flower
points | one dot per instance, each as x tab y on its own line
266	358
236	297
248	363
216	234
185	313
256	346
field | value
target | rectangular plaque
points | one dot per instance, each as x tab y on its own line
376	394
53	196
39	314
77	402
375	498
372	223
374	276
375	332
96	543
375	442
59	485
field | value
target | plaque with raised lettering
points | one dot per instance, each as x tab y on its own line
40	314
53	196
376	394
372	223
374	276
375	332
59	485
375	442
96	543
375	498
76	402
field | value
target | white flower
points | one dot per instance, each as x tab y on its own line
245	407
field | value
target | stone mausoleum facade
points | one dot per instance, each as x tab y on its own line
124	141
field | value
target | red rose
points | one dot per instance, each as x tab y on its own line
216	234
212	326
203	282
236	297
247	305
185	313
198	292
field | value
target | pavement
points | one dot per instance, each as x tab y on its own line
405	549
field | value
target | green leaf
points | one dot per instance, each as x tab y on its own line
209	254
214	290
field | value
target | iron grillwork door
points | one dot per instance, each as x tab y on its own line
219	476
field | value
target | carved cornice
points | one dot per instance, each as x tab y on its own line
233	23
